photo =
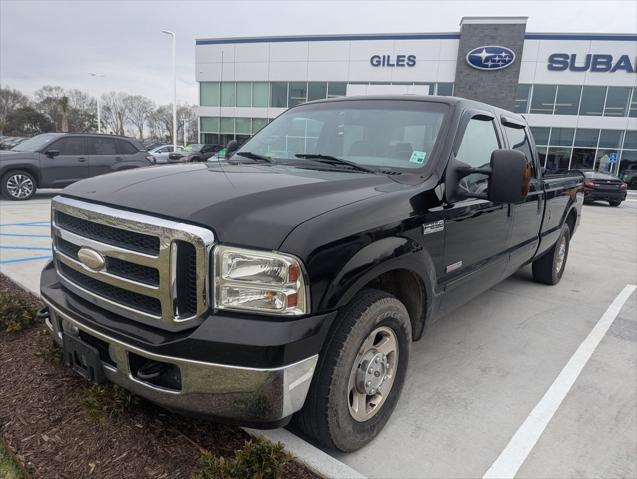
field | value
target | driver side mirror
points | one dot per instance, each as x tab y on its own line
509	175
231	148
51	153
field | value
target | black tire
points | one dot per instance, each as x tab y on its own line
545	269
21	177
326	414
614	203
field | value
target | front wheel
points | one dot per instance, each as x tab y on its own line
614	203
18	185
360	373
549	268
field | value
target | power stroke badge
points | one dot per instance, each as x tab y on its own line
434	227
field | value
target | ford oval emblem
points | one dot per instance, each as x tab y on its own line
490	58
91	258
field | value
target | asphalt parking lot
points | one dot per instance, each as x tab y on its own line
480	376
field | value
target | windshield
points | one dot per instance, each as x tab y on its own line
36	143
193	147
376	133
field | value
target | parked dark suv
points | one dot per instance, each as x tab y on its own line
55	160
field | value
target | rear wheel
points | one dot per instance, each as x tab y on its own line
614	203
360	373
549	268
18	185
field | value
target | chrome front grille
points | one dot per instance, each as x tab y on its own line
155	270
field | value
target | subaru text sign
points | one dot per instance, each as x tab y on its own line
490	57
559	62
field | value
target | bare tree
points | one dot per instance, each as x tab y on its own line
10	100
186	115
164	117
82	112
48	103
115	111
64	107
139	110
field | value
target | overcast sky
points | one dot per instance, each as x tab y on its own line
58	42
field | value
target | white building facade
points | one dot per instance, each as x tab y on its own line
577	91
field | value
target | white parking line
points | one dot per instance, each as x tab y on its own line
515	453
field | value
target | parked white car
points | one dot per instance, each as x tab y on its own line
161	153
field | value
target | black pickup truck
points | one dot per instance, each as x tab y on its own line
290	278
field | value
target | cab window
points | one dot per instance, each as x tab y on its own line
72	145
519	140
478	142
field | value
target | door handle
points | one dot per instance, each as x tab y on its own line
81	159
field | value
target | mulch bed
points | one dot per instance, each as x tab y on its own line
54	436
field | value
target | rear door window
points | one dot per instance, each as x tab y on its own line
478	142
103	146
70	146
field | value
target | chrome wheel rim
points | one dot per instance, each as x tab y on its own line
373	374
20	186
561	253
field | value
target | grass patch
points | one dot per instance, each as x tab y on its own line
108	400
17	312
8	468
258	459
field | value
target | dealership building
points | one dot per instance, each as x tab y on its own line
578	92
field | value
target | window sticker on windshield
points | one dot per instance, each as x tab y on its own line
418	157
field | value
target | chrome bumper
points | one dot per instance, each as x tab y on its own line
239	394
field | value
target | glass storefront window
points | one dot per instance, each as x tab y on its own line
297	93
444	89
316	91
210	124
628	168
541	154
336	89
567	100
521	104
210	138
228	94
562	136
260	94
258	123
209	93
586	137
610	139
243	126
603	163
540	135
557	159
244	94
543	99
583	159
226	125
630	140
633	105
617	101
592	100
279	95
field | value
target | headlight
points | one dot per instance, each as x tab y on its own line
261	281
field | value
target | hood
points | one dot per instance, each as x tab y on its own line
16	155
250	205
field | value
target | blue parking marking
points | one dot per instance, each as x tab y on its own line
25	236
26	248
41	224
23	260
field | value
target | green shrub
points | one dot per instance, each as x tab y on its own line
16	312
107	400
258	459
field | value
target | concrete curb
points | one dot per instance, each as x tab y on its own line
313	458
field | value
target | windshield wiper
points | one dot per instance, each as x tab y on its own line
332	160
253	156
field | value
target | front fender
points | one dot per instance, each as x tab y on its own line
379	257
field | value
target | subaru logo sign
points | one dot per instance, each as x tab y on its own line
490	58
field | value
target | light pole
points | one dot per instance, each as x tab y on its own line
174	41
99	112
